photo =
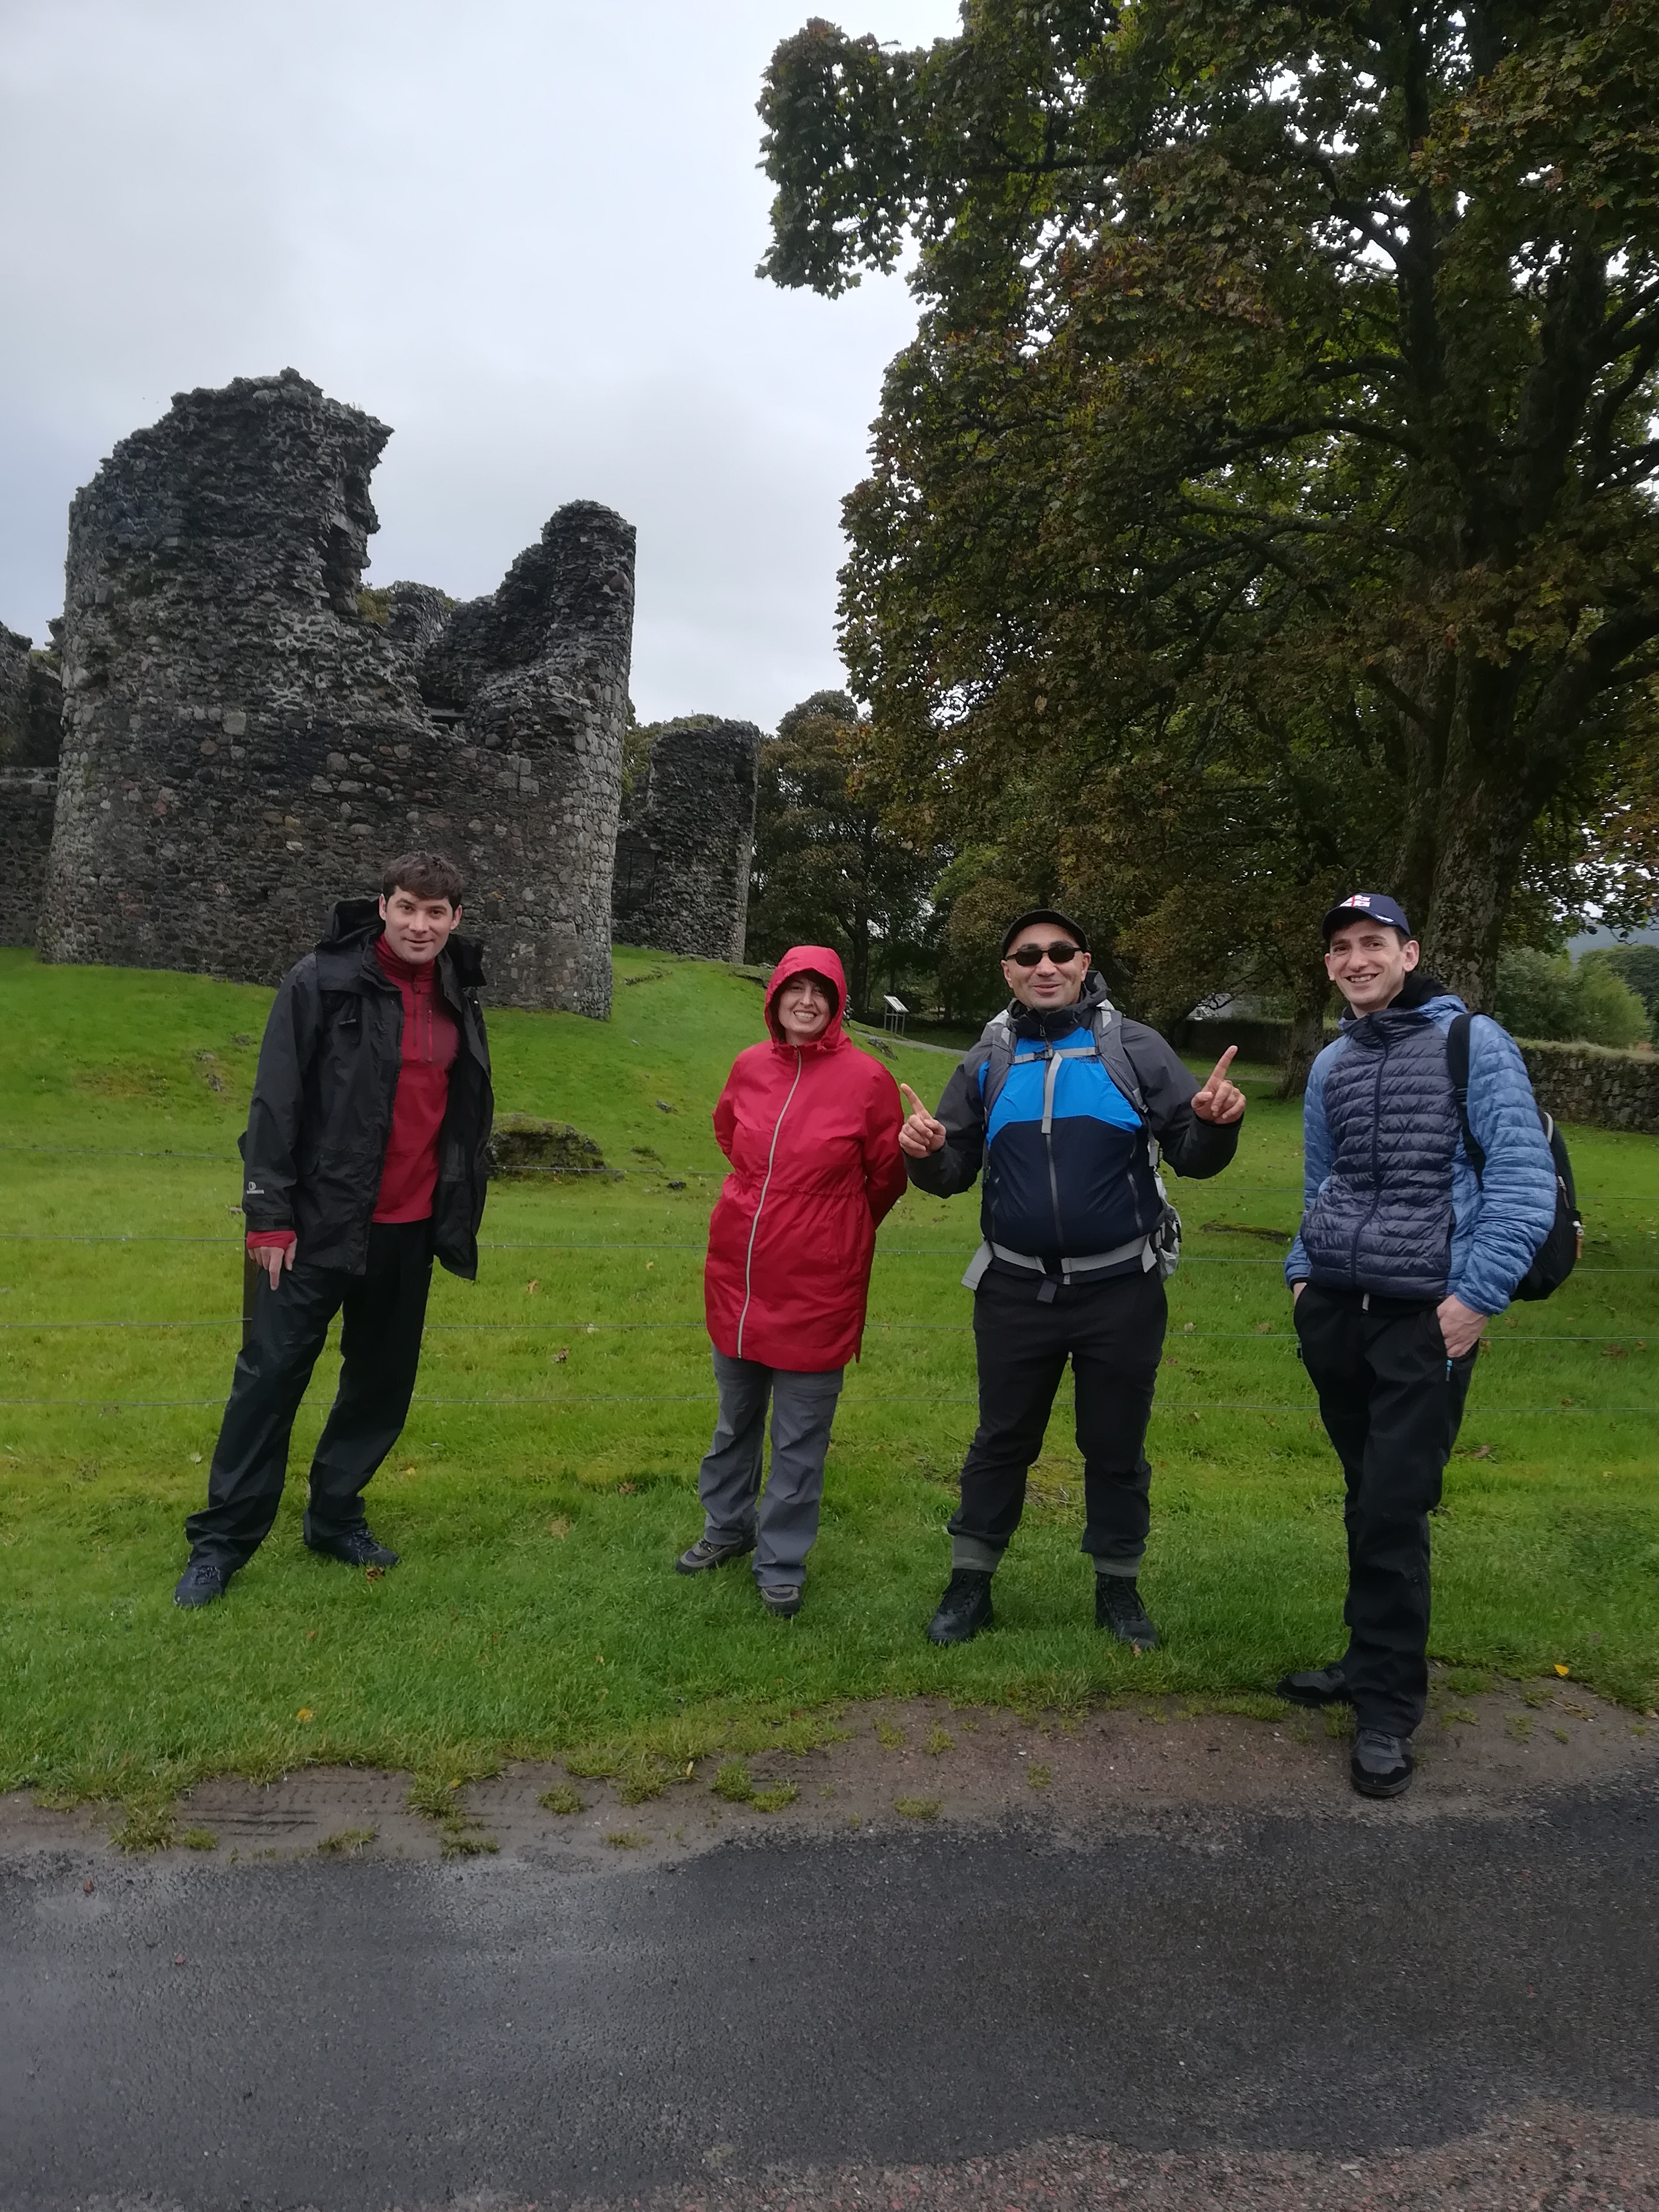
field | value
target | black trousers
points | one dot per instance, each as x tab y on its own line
1113	1334
1392	1403
385	1312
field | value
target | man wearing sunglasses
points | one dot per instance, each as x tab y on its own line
1067	1107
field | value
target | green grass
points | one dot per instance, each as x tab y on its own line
539	1501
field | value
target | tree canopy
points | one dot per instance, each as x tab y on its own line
1269	484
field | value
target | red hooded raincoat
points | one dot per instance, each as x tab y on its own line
812	1132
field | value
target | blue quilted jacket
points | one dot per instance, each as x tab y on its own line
1391	1203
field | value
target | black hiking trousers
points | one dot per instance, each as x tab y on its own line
1113	1334
383	1312
1392	1404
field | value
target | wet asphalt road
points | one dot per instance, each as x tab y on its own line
366	2034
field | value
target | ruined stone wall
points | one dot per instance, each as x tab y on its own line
246	735
30	713
681	881
535	678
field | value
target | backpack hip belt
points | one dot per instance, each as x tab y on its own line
1144	1249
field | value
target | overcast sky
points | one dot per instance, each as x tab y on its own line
521	232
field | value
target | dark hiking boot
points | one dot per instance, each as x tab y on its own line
783	1601
1382	1764
358	1547
201	1583
1118	1607
964	1609
710	1552
1316	1685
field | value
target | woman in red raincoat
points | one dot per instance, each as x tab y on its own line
811	1125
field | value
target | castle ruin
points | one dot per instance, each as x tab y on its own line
247	731
683	855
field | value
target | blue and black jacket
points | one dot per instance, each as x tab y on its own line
1084	1187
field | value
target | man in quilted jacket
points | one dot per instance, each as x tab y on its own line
1403	1256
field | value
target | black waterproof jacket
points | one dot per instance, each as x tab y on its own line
321	1113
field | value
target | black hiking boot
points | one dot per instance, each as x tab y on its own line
710	1552
1316	1685
358	1547
1382	1764
1118	1607
782	1602
201	1583
964	1609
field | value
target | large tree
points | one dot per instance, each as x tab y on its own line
1283	389
828	868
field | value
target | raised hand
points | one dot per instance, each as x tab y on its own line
1219	1101
922	1132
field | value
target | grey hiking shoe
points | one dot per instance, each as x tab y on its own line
201	1583
1382	1764
1316	1685
710	1551
1118	1607
782	1602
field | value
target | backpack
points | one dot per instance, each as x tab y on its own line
1105	1025
1558	1254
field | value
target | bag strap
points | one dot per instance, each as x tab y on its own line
1457	1063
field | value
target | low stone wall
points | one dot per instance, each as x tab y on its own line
1605	1089
1574	1081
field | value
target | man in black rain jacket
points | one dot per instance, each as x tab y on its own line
365	1156
1067	1107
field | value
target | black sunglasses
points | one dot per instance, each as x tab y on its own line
1028	956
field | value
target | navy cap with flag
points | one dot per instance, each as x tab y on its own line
1366	906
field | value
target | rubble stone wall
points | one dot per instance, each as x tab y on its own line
248	737
681	880
31	703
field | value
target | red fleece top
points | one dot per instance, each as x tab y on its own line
409	1176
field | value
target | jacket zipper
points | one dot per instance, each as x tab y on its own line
754	1226
1048	1147
1376	1162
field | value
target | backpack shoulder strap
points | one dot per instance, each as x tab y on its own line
998	1035
1113	1047
1457	1064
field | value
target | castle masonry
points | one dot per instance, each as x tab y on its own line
247	733
681	880
30	712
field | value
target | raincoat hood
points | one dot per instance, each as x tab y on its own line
817	960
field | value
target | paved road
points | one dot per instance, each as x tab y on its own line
361	2035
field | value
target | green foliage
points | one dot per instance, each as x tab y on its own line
1635	964
828	869
1263	499
1544	995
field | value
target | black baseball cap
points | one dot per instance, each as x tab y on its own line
1043	914
1366	906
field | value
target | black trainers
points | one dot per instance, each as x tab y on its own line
358	1547
710	1551
1382	1764
1118	1607
964	1609
1316	1685
201	1583
782	1601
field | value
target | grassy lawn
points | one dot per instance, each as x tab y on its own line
548	1474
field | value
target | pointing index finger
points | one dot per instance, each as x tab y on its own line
1223	1064
915	1105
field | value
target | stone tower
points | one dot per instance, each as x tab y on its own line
682	864
246	736
31	713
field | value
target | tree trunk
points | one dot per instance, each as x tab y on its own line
1307	1031
1479	864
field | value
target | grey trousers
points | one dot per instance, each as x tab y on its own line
784	1521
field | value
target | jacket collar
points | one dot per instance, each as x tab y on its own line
1060	1021
345	955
